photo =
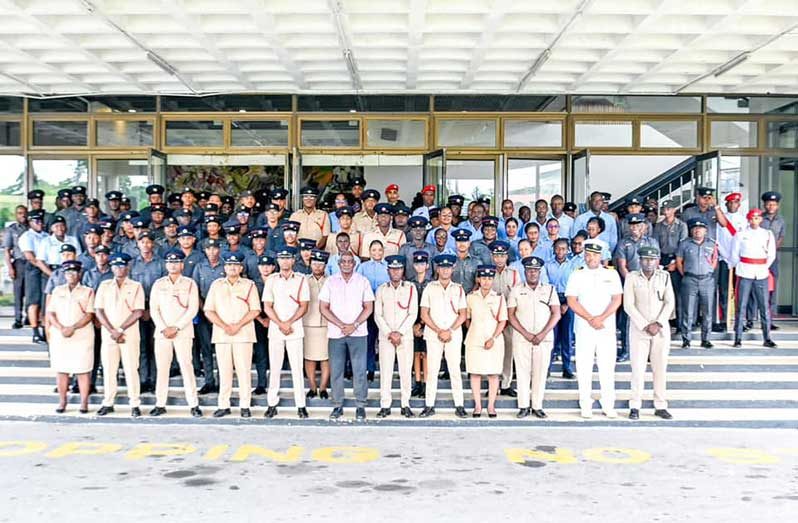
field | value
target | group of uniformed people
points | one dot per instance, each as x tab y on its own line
200	287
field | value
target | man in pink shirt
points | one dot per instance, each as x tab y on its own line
346	301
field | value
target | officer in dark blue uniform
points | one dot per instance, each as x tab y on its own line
696	260
205	273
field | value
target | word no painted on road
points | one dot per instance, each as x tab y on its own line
539	456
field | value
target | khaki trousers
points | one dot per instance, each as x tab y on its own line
507	368
163	363
277	350
228	356
111	353
531	367
404	355
435	351
599	345
657	348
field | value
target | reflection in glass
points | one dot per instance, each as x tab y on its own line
52	175
194	133
532	133
60	133
9	134
330	133
783	135
467	133
471	179
129	176
529	180
395	133
603	134
130	133
733	134
250	133
669	134
12	186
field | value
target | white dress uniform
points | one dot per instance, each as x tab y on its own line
594	288
118	302
231	302
503	283
73	355
647	301
533	311
485	313
391	240
314	323
174	304
444	304
395	310
285	295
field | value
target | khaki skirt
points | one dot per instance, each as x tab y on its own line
73	355
485	362
316	343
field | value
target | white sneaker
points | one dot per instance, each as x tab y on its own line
587	413
611	413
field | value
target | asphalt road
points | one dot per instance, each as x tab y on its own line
126	472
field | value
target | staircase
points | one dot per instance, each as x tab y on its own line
750	386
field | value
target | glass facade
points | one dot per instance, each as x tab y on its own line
60	133
255	133
121	133
194	133
330	133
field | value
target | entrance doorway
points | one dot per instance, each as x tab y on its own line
226	174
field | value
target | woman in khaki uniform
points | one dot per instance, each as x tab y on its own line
315	326
486	316
346	225
69	313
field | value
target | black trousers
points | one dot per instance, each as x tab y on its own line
20	265
203	335
147	352
260	354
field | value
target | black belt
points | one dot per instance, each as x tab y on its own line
698	276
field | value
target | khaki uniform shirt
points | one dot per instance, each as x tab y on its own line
648	300
313	317
174	305
363	222
232	301
532	306
443	304
313	225
285	295
396	308
118	303
485	312
504	282
391	241
69	308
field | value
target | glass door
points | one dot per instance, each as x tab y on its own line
473	178
781	174
532	179
157	167
434	172
580	178
130	176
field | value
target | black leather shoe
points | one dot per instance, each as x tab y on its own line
662	413
769	343
492	414
311	394
568	375
246	413
460	412
737	343
336	413
83	410
323	394
509	391
302	413
135	412
685	344
384	413
270	412
444	375
60	410
539	413
415	392
407	413
360	414
16	325
718	327
208	389
196	412
706	344
75	389
259	391
748	326
105	410
476	414
157	411
37	337
634	414
427	412
370	376
348	375
220	413
523	413
774	327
